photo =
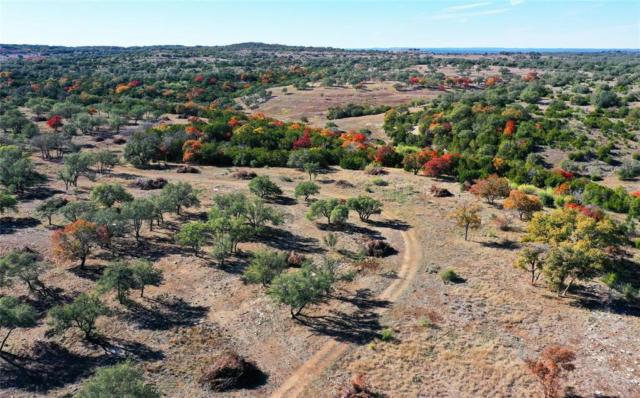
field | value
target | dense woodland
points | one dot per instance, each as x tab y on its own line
491	132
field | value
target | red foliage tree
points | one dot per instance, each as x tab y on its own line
55	122
386	155
75	240
190	150
440	165
566	174
549	368
303	142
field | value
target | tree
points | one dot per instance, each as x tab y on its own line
257	214
55	122
82	313
79	209
264	188
265	266
25	266
306	189
531	261
118	381
179	195
439	165
525	204
116	121
339	214
117	276
105	160
17	172
14	315
467	216
415	161
570	262
145	274
581	247
137	211
7	202
365	206
49	207
312	168
491	188
549	368
108	194
194	235
302	287
75	240
386	155
76	165
322	208
141	148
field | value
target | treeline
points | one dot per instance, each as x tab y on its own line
354	110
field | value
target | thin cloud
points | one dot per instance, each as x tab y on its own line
467	6
516	2
467	15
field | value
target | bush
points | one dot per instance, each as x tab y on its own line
264	188
265	266
377	248
147	184
244	175
118	381
450	276
379	182
386	335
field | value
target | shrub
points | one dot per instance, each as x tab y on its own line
81	313
467	216
147	184
386	335
449	276
244	175
306	189
264	188
265	266
357	388
377	248
14	315
439	192
379	182
549	368
123	380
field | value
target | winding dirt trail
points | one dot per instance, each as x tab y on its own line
297	382
295	385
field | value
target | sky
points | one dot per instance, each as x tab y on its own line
343	23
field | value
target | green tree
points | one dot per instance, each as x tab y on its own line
76	165
306	189
142	148
145	274
24	266
264	188
302	287
14	315
532	260
365	206
117	276
312	168
49	207
116	121
82	313
137	211
17	172
7	202
265	266
179	195
322	208
118	381
77	210
108	194
467	216
105	160
257	214
339	214
194	235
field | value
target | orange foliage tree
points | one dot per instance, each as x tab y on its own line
525	204
415	161
510	127
75	240
549	368
491	188
190	150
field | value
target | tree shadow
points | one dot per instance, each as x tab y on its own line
164	314
392	224
52	297
40	193
93	272
285	240
593	300
505	244
49	366
284	201
9	225
358	327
